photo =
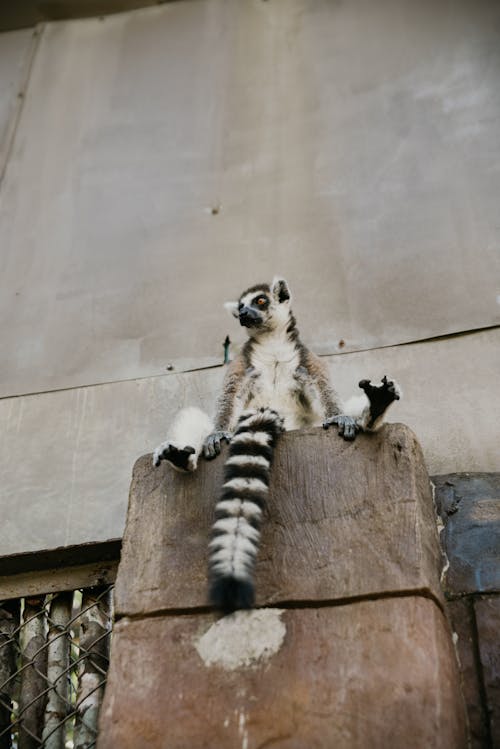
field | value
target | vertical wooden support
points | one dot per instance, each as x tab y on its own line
9	623
349	648
58	667
33	676
94	654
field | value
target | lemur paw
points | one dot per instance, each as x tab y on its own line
211	446
182	459
381	396
346	425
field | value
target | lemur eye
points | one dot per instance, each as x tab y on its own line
261	301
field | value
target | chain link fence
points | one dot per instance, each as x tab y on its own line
54	656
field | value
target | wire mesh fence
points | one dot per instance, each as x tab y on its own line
54	656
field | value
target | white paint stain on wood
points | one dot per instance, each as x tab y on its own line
242	639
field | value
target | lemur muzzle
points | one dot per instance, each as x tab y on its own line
249	317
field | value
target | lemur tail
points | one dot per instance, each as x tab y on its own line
238	513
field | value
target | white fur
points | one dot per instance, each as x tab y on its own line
232	308
275	285
245	460
225	543
223	548
236	559
246	483
275	360
237	506
257	438
237	526
248	298
190	428
358	406
280	314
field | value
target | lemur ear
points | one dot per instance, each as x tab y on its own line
280	290
232	308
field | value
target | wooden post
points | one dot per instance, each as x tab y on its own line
58	667
348	648
33	675
9	623
94	654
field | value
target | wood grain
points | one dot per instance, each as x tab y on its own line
462	620
373	674
345	520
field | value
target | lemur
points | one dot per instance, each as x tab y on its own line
274	384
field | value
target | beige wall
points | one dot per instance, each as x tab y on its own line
353	147
16	51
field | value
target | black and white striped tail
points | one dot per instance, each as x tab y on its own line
238	513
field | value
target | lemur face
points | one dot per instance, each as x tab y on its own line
263	307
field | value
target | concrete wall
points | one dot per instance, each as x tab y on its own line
160	160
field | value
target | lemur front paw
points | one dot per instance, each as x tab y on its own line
211	446
381	396
182	459
346	425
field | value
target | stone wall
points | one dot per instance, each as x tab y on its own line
469	505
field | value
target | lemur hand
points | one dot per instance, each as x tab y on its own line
346	425
211	447
382	395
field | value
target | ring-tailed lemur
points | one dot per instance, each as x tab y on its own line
275	383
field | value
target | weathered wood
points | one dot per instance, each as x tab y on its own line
33	675
462	620
31	12
372	674
58	663
488	626
94	652
9	623
49	559
57	579
344	520
469	504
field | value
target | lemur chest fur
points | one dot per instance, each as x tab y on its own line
273	364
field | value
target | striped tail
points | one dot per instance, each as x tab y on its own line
238	513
